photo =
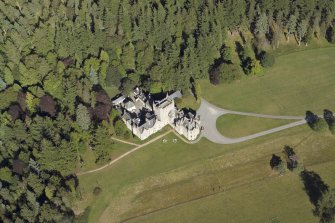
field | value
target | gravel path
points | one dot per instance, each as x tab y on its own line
125	142
209	114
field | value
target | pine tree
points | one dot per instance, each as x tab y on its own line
262	25
291	26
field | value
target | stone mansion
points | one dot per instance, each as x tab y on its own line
145	116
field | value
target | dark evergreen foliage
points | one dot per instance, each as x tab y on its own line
275	161
314	185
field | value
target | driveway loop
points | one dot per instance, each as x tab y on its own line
209	113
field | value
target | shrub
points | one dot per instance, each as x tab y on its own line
120	128
230	73
320	125
97	191
277	164
102	155
316	123
225	73
280	168
113	115
214	76
299	168
330	35
275	161
254	67
267	60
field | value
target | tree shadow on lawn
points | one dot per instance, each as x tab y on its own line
314	186
329	117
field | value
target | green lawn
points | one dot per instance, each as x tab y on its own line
188	101
163	175
298	82
235	126
280	198
291	47
136	140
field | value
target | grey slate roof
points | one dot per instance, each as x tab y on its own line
129	104
126	116
176	94
119	100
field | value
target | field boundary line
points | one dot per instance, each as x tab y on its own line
221	191
125	142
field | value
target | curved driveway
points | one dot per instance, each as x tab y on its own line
209	114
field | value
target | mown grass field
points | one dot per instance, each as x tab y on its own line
245	188
235	126
298	82
277	198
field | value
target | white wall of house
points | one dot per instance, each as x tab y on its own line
147	132
163	112
189	134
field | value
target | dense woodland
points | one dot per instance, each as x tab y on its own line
62	60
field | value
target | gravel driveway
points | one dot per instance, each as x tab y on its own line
209	114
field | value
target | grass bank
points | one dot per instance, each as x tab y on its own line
298	82
235	126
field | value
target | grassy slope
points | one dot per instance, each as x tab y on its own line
257	195
150	160
280	198
162	175
298	82
237	125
